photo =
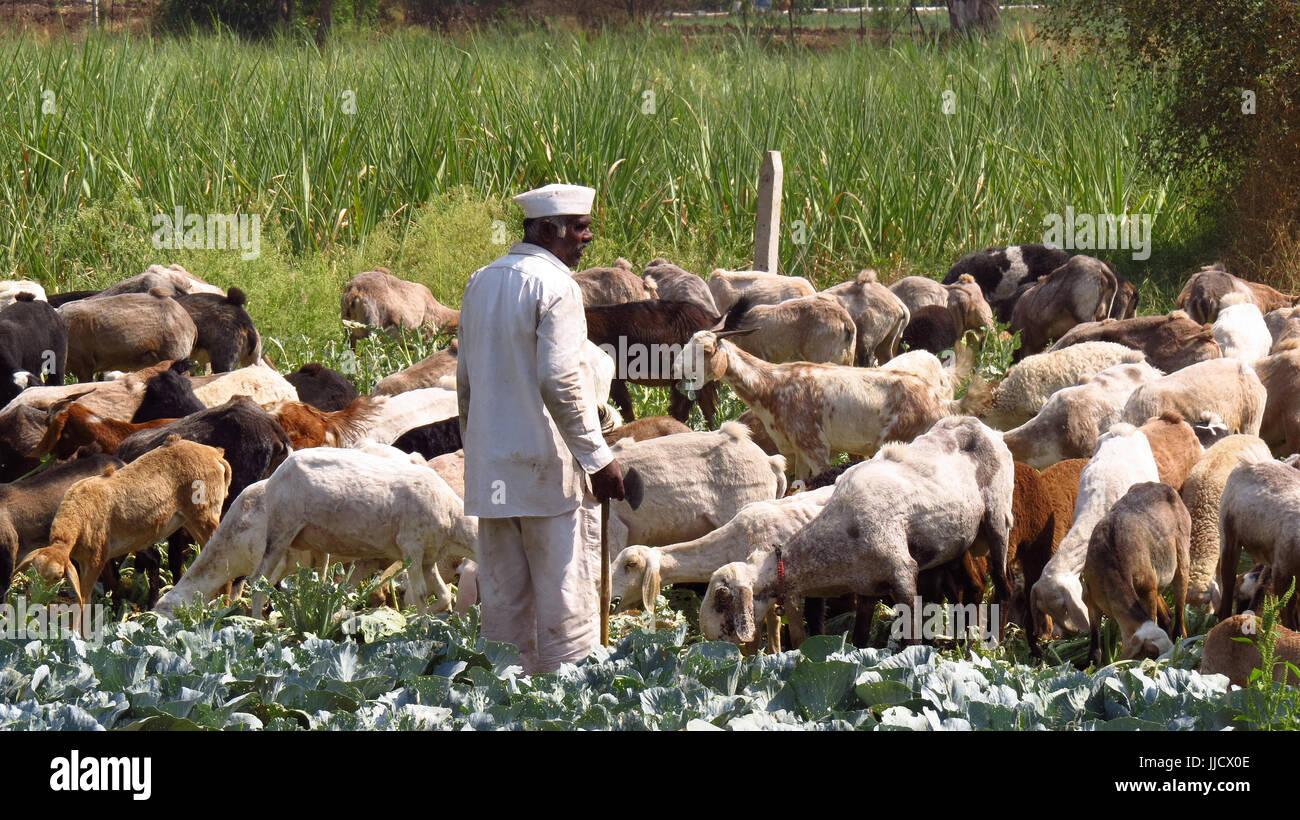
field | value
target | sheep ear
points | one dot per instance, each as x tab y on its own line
650	582
70	572
745	616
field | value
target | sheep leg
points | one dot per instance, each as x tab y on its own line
773	624
150	562
622	399
708	401
862	618
1180	602
815	613
1229	555
417	593
1094	635
995	535
178	547
794	619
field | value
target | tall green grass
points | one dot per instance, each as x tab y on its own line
444	131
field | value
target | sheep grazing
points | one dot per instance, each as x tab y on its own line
126	332
259	382
308	427
33	346
1035	379
613	286
122	511
761	287
1223	387
437	370
807	329
1169	342
1231	649
1137	549
173	280
168	395
638	572
1002	272
327	390
914	507
226	336
1081	290
647	428
1074	418
814	410
1202	297
1240	330
964	300
1123	458
694	483
931	329
351	504
645	337
1280	375
378	300
1202	493
676	285
9	291
27	507
1175	447
879	317
1041	509
1260	512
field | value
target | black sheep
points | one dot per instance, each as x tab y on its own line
327	390
432	440
932	328
33	343
168	395
1001	273
226	331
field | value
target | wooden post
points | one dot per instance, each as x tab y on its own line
767	230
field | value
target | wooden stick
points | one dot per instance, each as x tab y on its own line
604	573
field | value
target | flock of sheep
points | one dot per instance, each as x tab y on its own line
1121	456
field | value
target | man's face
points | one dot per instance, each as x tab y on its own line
577	235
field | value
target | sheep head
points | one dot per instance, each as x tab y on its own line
1060	598
727	611
1147	640
704	359
636	573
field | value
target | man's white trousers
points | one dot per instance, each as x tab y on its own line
539	583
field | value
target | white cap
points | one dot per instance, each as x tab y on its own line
557	199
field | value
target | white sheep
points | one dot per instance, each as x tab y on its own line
694	483
262	383
1072	420
1260	512
1240	329
1202	493
1031	382
1227	388
912	507
351	504
1123	458
761	287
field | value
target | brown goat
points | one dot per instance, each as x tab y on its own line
180	484
1081	290
1061	485
1222	653
1170	342
1138	548
72	425
309	427
1175	446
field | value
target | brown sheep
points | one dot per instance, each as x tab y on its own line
1060	484
72	426
930	328
878	314
180	484
1175	446
650	427
1280	375
1138	548
1204	290
126	332
761	287
308	427
377	299
676	285
437	370
1081	290
1030	543
613	286
1223	654
807	329
963	298
1169	342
